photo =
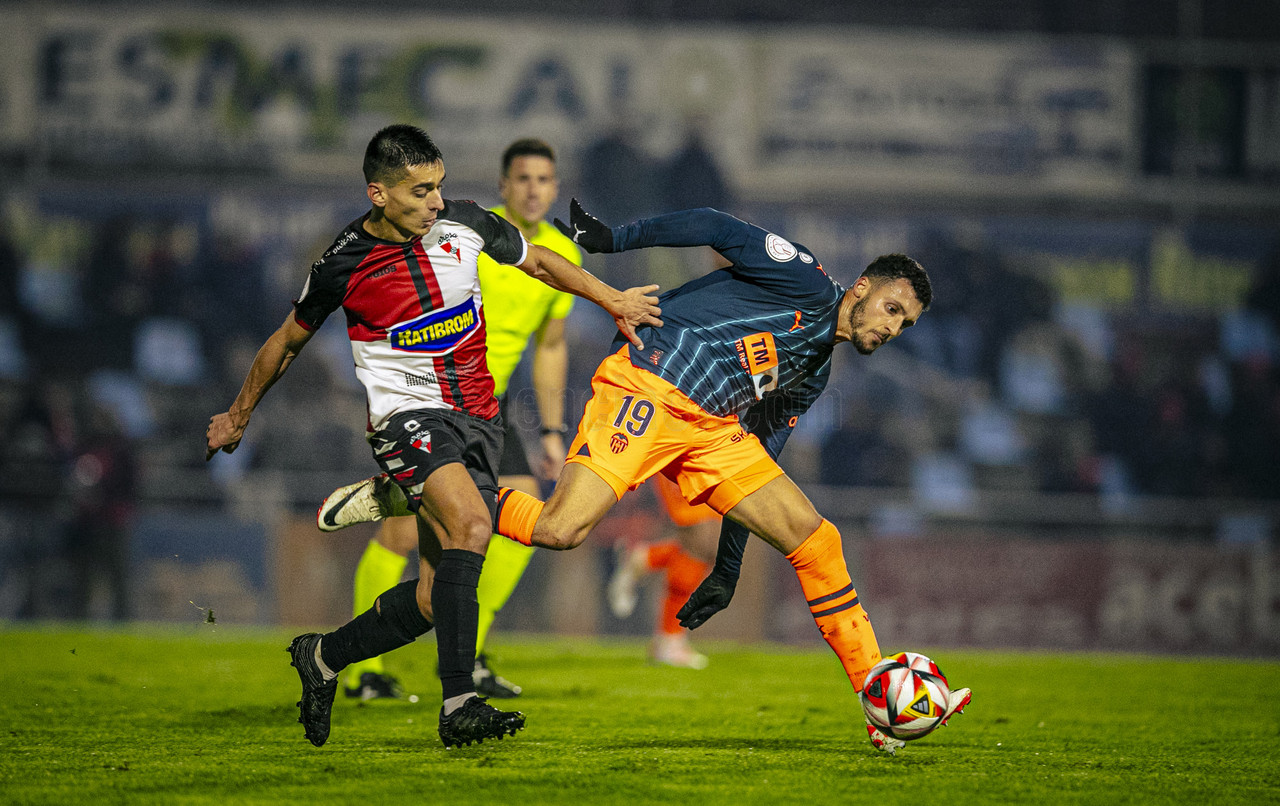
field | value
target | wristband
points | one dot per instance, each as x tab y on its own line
561	430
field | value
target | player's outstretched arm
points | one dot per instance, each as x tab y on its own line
630	309
700	227
226	429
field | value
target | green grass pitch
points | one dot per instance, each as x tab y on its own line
206	714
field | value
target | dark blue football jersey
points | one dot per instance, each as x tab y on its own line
752	340
756	335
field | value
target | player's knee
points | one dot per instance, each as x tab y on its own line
560	537
472	535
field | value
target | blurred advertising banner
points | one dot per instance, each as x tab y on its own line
300	93
801	110
1126	595
947	113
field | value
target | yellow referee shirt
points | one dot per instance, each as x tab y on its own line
516	305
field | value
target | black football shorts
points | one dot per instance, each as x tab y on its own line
414	444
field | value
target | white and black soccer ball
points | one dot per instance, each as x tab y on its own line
905	695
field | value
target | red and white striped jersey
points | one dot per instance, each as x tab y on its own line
414	312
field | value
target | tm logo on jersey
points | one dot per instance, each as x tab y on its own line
758	356
438	331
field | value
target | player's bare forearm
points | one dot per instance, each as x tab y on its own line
562	275
269	365
633	308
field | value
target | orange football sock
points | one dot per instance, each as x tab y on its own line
517	515
824	577
684	575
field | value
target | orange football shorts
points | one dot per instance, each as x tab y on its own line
637	424
680	511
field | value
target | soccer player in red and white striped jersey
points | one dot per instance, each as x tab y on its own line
405	278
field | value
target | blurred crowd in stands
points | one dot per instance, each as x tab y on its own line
1024	391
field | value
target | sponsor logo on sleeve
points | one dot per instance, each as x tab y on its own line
438	331
780	249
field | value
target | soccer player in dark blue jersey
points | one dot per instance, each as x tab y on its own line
710	401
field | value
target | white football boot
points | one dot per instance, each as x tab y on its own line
882	741
363	502
629	566
956	702
675	650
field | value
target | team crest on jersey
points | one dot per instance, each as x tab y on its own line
780	249
618	442
438	331
447	243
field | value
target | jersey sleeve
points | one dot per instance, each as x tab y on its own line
323	291
758	256
502	241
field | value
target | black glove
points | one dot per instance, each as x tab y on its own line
712	596
586	231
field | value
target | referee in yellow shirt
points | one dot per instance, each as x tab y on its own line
516	308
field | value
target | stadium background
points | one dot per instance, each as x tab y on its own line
1079	446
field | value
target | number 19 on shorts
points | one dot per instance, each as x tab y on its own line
634	415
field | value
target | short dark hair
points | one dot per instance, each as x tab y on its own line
394	149
887	268
526	147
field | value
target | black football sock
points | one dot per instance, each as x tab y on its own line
392	622
453	601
